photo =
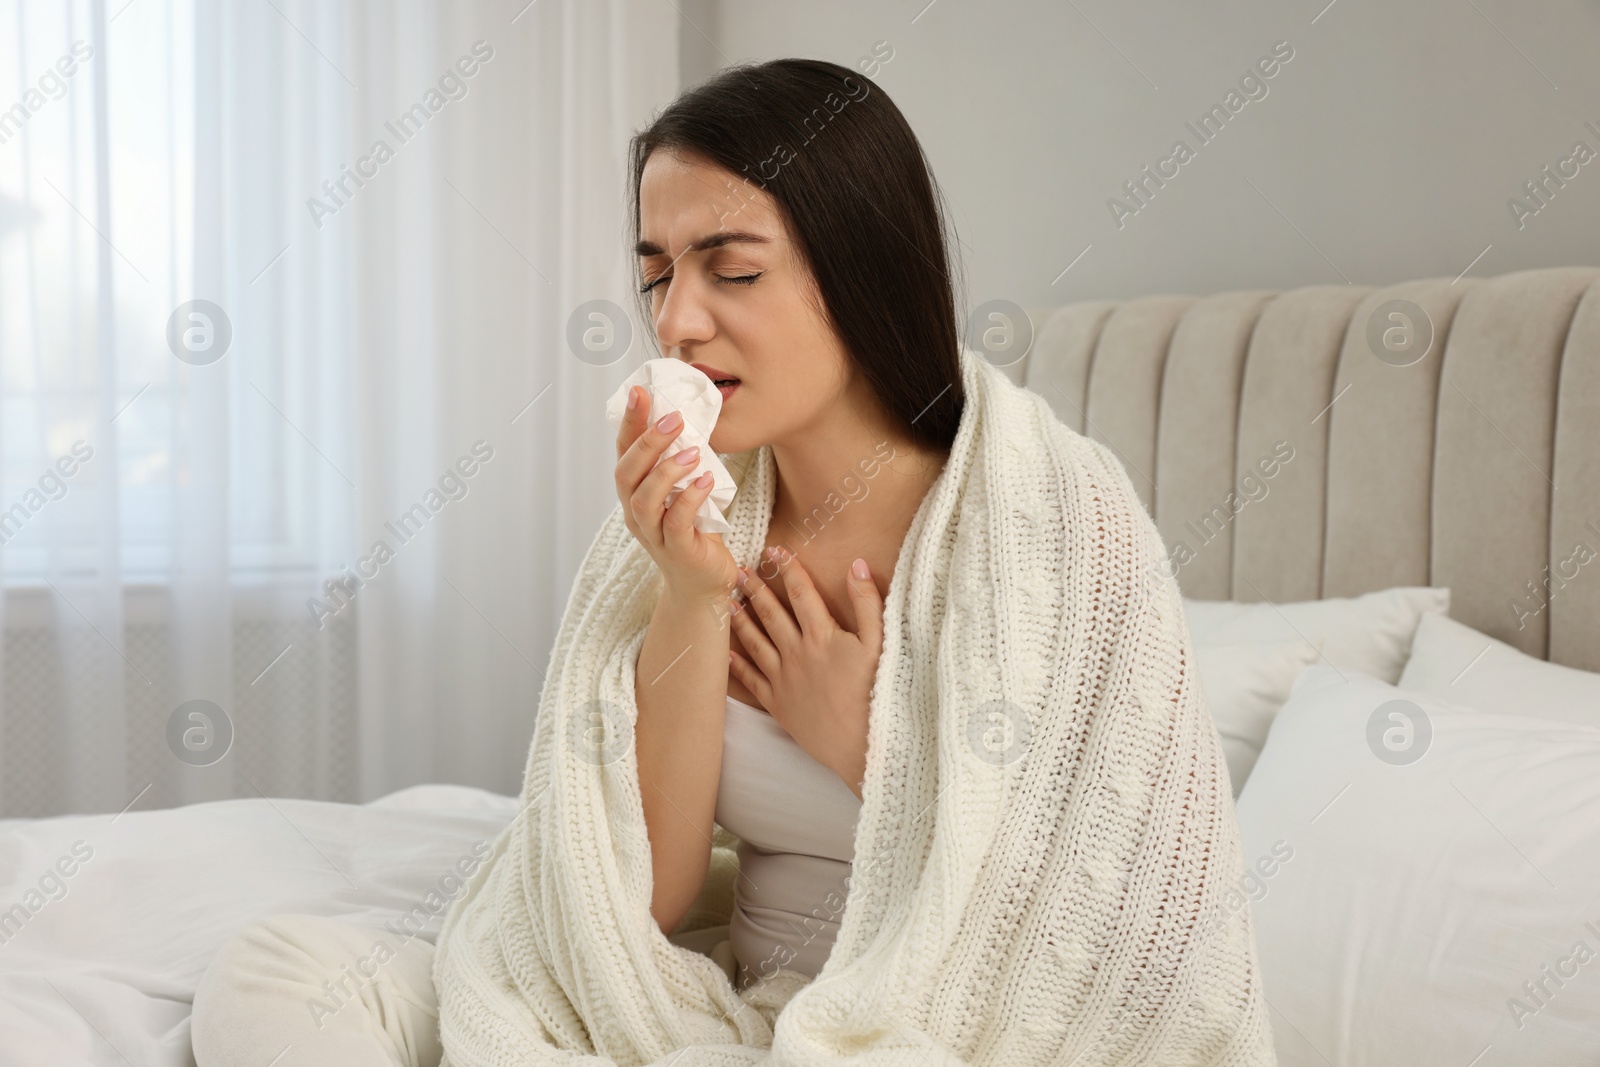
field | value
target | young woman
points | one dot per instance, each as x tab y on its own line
921	558
835	337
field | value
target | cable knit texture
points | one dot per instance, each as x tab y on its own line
1046	834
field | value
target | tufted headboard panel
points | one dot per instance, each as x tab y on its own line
1317	443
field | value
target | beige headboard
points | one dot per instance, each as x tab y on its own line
1475	467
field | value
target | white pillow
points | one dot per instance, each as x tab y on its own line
1370	633
1453	661
1413	910
1244	685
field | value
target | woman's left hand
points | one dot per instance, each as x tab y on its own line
811	674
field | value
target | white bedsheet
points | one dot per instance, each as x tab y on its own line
105	973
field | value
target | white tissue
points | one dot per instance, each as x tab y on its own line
675	386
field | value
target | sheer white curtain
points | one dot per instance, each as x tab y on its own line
292	440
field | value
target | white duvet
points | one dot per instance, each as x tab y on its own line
106	926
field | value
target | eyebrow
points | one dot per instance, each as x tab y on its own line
706	243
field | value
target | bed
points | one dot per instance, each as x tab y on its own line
1421	815
1392	926
135	904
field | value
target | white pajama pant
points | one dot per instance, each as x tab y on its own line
307	991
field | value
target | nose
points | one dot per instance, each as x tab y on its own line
683	318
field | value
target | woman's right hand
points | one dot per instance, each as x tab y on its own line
692	563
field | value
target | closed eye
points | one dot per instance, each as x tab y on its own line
742	279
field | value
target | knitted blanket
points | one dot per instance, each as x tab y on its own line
1046	841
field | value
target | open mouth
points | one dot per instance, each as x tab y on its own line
724	382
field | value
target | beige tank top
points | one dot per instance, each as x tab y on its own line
796	822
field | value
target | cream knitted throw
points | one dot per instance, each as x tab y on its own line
1046	832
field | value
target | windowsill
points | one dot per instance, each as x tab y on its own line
258	593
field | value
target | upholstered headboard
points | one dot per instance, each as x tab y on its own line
1356	458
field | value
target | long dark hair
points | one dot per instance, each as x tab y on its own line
855	190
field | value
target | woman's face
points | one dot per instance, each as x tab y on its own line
730	291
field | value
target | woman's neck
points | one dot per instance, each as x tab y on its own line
845	491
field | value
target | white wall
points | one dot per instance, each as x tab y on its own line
1385	149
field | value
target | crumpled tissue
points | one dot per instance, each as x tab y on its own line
675	386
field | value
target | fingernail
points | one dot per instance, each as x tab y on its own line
859	569
688	455
669	422
704	480
633	397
